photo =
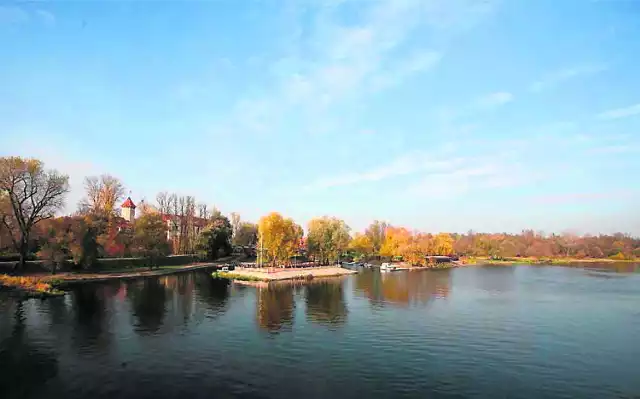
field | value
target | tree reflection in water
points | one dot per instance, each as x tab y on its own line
91	305
213	292
25	367
325	303
147	298
275	306
414	288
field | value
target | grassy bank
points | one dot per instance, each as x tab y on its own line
30	287
236	276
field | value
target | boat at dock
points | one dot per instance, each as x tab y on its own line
388	267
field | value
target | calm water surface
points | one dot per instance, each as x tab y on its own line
490	332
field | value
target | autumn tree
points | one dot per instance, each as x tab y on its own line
361	244
328	237
145	208
29	194
55	248
102	195
150	239
278	238
376	233
442	244
395	239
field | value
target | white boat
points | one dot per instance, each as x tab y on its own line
225	268
387	267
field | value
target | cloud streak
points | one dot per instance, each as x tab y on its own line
404	165
560	76
335	64
620	113
495	99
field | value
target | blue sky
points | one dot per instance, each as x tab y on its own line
437	115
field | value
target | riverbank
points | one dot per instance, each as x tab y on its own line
267	275
46	285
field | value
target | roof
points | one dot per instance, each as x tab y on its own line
197	221
128	203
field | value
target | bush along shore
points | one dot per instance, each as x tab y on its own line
30	287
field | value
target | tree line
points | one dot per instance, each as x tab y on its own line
31	196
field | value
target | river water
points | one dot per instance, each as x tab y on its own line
486	332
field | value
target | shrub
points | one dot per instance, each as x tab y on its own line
618	256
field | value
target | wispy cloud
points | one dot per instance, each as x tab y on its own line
619	113
335	64
479	174
555	78
495	99
404	165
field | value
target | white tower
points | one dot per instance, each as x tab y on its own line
128	210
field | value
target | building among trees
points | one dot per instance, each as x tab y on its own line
128	210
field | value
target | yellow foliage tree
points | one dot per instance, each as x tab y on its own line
278	238
443	244
396	239
416	248
361	244
328	238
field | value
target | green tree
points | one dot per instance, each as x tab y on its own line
150	238
31	194
328	237
247	234
216	238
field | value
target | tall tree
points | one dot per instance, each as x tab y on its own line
395	239
203	212
247	234
216	238
150	239
103	193
376	233
235	223
361	244
31	195
328	237
278	238
163	201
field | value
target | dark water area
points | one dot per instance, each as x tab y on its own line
485	332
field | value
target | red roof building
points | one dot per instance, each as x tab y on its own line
128	204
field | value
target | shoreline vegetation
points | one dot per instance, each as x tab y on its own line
47	285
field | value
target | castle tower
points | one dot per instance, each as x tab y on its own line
128	210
